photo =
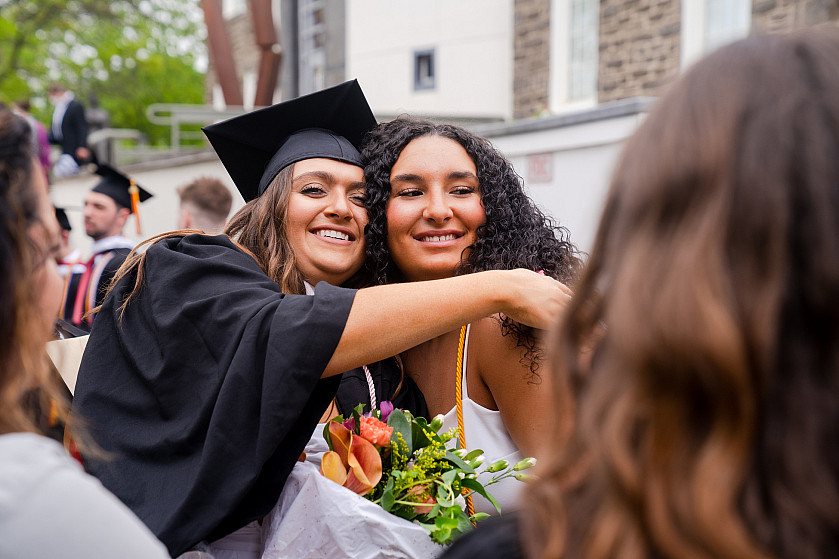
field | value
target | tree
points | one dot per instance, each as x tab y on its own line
126	53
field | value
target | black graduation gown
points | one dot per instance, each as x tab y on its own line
108	273
207	390
104	281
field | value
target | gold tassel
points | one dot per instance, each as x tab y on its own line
135	203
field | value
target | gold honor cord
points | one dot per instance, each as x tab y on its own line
461	434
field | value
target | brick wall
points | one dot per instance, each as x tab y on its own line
531	51
781	16
639	47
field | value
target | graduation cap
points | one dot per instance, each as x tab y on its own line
122	189
256	146
62	218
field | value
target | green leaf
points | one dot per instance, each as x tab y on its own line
464	524
419	434
387	497
443	527
445	522
473	454
357	412
448	477
476	486
400	424
443	497
459	462
478	516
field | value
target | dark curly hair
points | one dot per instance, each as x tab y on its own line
516	233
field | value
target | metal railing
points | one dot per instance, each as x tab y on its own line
175	115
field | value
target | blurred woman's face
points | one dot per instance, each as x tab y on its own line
44	235
435	208
325	219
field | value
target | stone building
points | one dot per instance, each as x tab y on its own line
520	59
641	44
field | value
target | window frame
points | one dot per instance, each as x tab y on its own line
431	82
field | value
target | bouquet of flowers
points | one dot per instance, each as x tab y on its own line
404	464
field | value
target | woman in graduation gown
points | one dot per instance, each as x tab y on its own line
202	381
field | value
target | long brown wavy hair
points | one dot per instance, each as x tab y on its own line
260	227
704	421
24	369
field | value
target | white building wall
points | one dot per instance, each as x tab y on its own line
157	215
567	162
473	46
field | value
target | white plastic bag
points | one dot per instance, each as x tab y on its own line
316	517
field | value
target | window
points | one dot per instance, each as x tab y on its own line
574	52
311	44
424	69
582	61
708	24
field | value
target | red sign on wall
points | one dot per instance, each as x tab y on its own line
540	168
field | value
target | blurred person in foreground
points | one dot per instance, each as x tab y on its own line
204	204
48	506
40	138
704	422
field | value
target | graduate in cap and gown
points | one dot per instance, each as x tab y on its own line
106	209
204	378
70	267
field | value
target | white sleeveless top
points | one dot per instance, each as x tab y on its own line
485	430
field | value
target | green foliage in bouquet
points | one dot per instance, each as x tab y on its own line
422	478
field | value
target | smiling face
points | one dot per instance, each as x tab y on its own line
325	219
434	209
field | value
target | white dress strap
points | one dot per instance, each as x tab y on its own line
465	353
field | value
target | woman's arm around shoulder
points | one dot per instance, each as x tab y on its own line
521	395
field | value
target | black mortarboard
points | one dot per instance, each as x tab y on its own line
117	186
62	218
255	147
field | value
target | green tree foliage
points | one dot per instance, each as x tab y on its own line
127	54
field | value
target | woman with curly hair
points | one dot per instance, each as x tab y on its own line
705	425
443	202
208	367
48	506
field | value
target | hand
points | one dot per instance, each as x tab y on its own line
82	154
535	299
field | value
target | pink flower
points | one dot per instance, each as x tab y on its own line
386	408
376	431
419	494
